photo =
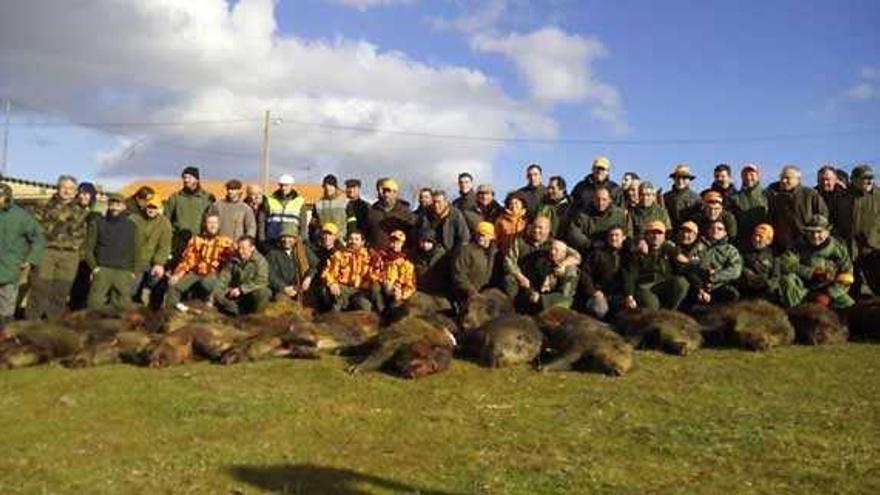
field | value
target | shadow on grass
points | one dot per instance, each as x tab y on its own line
295	479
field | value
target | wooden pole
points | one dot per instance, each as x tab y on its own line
266	153
7	106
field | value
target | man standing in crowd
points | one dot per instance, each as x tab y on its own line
790	207
254	198
202	259
110	252
292	266
860	228
680	201
473	266
186	209
243	284
533	192
723	183
357	209
647	210
330	208
556	206
467	198
486	208
236	218
346	272
21	238
748	205
446	221
651	279
64	224
387	214
152	249
825	265
588	228
832	190
425	199
599	177
281	208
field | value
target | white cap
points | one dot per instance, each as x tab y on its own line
285	179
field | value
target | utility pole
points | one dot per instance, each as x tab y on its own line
7	110
266	152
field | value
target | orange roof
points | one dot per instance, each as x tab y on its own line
165	187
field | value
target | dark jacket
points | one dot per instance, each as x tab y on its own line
432	270
451	231
726	194
291	269
637	218
727	218
473	268
381	221
603	270
790	211
839	208
21	241
749	206
479	213
588	227
680	204
466	201
558	213
582	194
860	229
533	196
657	265
111	243
356	211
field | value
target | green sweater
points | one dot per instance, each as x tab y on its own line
152	241
21	241
247	276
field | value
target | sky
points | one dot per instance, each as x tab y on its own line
113	90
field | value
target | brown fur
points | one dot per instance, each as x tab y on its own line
815	324
173	349
413	347
671	331
483	308
505	341
863	319
755	325
584	343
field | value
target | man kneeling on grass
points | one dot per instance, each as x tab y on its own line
243	285
392	276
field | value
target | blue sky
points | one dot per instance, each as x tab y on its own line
682	70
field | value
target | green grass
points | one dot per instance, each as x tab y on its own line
794	420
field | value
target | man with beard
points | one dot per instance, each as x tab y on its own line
473	265
860	229
186	209
387	214
201	261
110	252
601	279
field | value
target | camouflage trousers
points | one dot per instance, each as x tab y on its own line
51	282
111	287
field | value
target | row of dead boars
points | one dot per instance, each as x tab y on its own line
420	340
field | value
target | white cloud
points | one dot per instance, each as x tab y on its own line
480	19
367	4
868	86
871	73
558	68
190	60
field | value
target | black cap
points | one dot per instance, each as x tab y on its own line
330	180
190	170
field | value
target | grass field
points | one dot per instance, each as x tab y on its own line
794	420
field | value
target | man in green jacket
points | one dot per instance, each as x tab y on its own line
186	209
718	268
651	277
243	285
110	253
681	201
825	265
473	265
768	276
648	210
790	206
590	227
64	223
152	250
552	282
21	243
748	205
859	227
331	207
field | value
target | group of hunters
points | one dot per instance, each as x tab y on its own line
600	247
